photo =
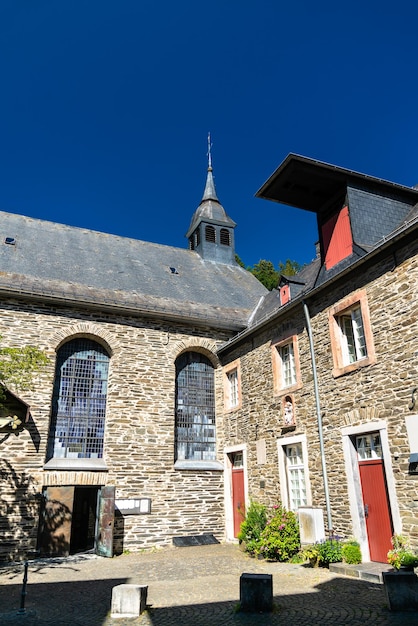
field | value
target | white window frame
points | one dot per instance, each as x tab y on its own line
287	356
353	341
233	388
232	385
286	365
282	444
352	311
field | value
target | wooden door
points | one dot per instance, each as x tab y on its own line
376	508
238	491
55	522
106	520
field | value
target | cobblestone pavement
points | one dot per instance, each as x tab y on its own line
194	586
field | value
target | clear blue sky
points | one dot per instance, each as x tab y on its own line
105	108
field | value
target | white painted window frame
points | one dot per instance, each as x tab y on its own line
282	443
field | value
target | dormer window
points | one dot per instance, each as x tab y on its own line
210	234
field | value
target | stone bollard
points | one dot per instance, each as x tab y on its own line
128	600
256	593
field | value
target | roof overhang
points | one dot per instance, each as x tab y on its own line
309	184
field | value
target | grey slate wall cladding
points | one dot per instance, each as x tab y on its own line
374	216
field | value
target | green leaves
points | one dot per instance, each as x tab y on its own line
267	274
18	366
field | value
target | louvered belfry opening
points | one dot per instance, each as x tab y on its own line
225	237
210	234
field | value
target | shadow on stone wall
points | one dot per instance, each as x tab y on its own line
19	512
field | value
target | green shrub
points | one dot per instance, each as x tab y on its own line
252	527
311	554
351	552
329	551
280	539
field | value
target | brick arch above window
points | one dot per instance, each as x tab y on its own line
195	344
87	330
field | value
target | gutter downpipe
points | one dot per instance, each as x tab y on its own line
319	417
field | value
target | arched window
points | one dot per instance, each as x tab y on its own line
79	401
225	237
210	234
195	408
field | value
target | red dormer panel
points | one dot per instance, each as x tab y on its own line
337	238
284	294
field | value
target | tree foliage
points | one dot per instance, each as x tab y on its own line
267	274
18	367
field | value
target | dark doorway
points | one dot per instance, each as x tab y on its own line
83	528
68	520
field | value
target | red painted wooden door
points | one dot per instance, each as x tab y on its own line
238	498
376	508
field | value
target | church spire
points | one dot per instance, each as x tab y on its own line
210	191
211	231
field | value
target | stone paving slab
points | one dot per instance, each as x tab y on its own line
193	586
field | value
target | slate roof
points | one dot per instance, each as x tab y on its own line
309	184
70	264
380	211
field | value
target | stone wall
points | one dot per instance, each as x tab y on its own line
379	392
139	432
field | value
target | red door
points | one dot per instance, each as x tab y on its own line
238	493
376	508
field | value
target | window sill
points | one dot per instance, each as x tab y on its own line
352	367
199	465
284	391
231	409
90	465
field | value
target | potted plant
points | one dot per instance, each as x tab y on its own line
401	583
401	557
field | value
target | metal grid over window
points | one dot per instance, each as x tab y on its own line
79	401
195	408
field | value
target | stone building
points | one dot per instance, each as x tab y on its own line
178	388
325	416
122	444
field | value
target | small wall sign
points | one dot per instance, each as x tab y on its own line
134	506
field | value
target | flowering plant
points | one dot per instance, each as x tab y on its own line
401	554
280	539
